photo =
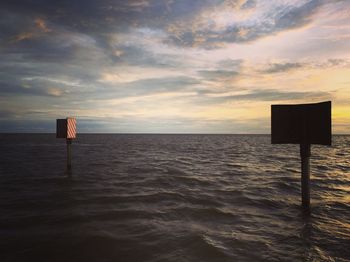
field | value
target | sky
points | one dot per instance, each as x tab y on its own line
170	66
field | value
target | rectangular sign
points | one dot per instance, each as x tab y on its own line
61	128
66	128
71	127
304	123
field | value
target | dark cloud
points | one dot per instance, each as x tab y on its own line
7	114
17	89
43	79
281	67
285	67
103	16
281	18
293	17
278	95
337	63
266	95
99	18
217	74
82	16
249	4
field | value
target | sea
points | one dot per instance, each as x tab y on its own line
170	197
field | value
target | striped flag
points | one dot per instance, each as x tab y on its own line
71	127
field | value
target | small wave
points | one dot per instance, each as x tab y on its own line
175	171
171	198
283	186
199	213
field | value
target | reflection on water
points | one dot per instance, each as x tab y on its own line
171	198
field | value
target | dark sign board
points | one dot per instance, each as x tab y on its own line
61	128
66	128
301	124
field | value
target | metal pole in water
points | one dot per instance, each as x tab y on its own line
303	124
305	153
69	154
66	128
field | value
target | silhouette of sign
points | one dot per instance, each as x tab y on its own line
301	124
66	128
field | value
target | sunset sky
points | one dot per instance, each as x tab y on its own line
170	66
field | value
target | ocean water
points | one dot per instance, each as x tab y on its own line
171	198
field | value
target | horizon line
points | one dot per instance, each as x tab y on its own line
150	133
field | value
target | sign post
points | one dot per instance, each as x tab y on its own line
305	153
66	128
69	153
303	124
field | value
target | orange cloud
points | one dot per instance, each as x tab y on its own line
40	23
23	36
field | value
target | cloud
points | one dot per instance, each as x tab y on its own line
7	114
249	4
270	95
277	95
337	62
206	32
149	87
289	66
22	36
41	24
232	64
133	55
281	67
40	89
164	60
294	17
186	22
217	74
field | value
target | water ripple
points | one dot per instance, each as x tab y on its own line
171	198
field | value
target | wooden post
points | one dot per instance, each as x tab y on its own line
69	154
305	153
